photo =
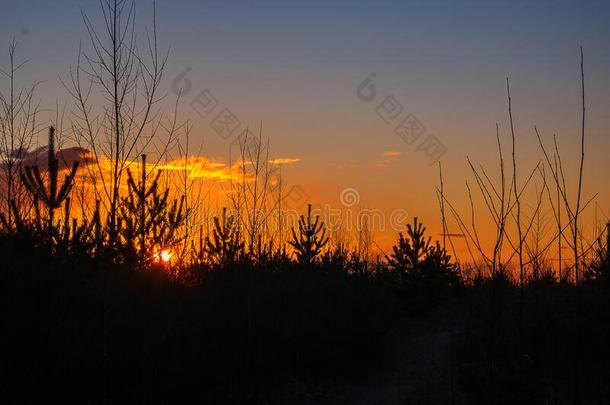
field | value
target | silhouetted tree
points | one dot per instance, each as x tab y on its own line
417	260
126	119
18	126
409	253
148	220
310	239
600	267
226	244
51	194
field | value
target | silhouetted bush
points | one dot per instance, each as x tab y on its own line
423	268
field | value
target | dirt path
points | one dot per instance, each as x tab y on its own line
419	374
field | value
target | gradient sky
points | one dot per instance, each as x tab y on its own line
295	67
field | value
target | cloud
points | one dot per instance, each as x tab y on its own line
201	167
389	156
210	168
392	154
284	161
39	157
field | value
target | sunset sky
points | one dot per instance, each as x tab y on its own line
295	67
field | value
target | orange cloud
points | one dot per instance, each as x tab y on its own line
284	161
200	167
392	154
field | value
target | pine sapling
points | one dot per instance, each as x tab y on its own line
51	193
310	239
226	244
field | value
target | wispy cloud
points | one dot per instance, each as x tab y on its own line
201	167
393	154
285	161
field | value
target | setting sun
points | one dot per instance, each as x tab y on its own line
166	255
163	256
